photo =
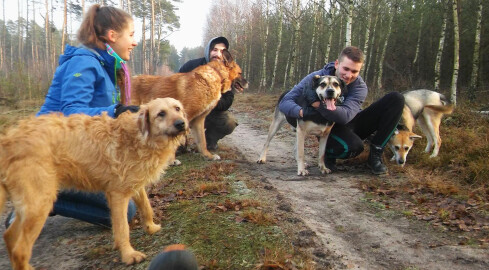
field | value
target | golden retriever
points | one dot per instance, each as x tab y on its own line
199	91
42	155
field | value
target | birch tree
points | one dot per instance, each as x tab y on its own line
477	44
380	71
63	29
265	46
367	35
456	53
420	27
439	53
279	44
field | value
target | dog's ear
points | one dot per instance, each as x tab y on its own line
315	81
144	121
344	89
227	58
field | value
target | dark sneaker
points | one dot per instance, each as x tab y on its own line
211	146
331	164
10	219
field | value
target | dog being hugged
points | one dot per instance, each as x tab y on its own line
426	108
42	155
199	91
327	90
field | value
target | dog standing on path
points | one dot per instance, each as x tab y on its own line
199	91
426	108
44	154
328	89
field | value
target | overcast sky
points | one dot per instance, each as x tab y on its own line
192	15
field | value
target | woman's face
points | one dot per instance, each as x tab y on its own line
123	42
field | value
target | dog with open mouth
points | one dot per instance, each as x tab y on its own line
327	90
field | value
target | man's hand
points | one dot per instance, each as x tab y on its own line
315	104
119	108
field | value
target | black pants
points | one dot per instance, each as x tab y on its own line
217	125
380	118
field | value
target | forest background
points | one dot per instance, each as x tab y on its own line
435	44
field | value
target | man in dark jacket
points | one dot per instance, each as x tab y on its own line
220	122
352	124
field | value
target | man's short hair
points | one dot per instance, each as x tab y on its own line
353	53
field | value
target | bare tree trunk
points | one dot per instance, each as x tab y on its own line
380	72
279	45
456	53
3	39
314	37
349	20
47	45
83	8
63	29
367	34
296	26
439	53
330	30
152	40
265	47
420	27
477	43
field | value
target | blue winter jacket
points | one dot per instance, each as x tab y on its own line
84	82
344	113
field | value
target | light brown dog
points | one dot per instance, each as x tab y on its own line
199	91
426	108
42	155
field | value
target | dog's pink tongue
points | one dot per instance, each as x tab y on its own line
330	104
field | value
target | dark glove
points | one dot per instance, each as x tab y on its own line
119	108
308	111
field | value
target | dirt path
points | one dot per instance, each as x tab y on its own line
335	209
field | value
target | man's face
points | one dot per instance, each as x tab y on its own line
216	53
347	70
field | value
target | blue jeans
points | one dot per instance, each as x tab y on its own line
88	206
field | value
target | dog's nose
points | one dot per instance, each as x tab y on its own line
179	125
330	93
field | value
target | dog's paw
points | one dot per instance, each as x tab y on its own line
216	157
302	172
261	161
133	257
176	162
152	228
324	170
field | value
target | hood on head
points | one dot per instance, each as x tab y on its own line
211	44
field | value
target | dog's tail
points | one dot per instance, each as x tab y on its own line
445	109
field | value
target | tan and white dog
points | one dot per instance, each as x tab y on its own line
426	108
328	89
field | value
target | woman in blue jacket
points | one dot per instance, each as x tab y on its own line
91	79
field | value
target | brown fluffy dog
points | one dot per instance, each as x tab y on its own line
199	91
119	156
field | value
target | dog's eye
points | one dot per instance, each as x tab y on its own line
177	109
162	114
322	85
397	148
335	84
406	148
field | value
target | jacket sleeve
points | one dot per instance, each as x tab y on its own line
289	104
225	102
78	87
351	106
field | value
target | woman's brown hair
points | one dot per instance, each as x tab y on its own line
97	21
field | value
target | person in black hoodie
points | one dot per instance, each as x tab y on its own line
220	122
